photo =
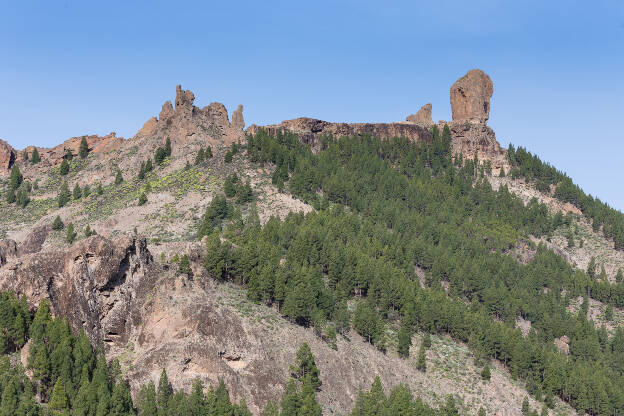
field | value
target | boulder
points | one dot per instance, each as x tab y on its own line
470	97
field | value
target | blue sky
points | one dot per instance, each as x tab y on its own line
73	67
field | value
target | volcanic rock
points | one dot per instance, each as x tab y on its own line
470	96
423	116
7	157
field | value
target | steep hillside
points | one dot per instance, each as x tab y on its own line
214	254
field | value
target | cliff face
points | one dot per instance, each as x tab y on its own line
470	103
311	130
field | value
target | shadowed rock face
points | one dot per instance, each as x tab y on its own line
7	157
470	96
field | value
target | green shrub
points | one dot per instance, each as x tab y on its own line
57	224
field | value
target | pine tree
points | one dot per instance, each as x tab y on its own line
121	402
421	362
59	400
164	392
485	373
15	178
200	156
184	266
77	192
70	235
84	148
118	177
427	340
450	409
208	153
228	157
591	268
196	400
305	366
525	406
99	189
147	400
309	405
10	196
64	169
68	154
291	400
405	341
142	199
58	224
64	195
25	155
86	191
35	158
544	411
619	276
168	147
10	398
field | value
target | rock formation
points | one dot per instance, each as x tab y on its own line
184	123
423	116
470	96
238	122
7	157
311	130
96	144
91	284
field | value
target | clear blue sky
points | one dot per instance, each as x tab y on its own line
73	67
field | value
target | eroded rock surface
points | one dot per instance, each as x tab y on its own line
423	116
470	96
184	123
92	284
7	157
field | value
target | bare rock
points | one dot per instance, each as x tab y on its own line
95	143
475	139
423	116
187	124
8	250
470	96
34	241
91	284
166	111
7	157
238	122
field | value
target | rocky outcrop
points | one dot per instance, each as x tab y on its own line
34	241
92	284
470	134
472	139
238	122
470	96
7	157
423	116
96	144
184	123
311	130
